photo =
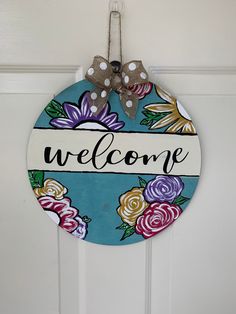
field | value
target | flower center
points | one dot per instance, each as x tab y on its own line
182	111
91	126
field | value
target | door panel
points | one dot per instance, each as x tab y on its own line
28	244
186	269
196	254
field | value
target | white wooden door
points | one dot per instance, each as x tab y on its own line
190	49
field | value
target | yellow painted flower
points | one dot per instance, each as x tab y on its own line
176	118
51	188
132	205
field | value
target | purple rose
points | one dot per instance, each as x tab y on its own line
81	230
163	189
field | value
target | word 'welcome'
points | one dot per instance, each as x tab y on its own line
105	152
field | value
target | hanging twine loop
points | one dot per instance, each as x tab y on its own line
112	16
113	76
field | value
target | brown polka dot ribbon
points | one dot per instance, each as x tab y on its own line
101	74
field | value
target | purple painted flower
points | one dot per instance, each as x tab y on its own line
81	117
163	189
81	230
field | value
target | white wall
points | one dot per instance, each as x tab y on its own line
188	269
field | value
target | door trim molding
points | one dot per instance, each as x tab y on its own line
180	80
39	68
215	70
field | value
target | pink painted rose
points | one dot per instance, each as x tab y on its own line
157	217
64	215
141	90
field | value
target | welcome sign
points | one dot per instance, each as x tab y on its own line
109	179
124	152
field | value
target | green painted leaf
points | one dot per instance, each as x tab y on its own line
180	200
86	219
128	232
152	117
159	116
55	110
144	122
148	113
36	178
142	182
123	226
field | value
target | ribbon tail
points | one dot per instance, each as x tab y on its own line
97	100
129	104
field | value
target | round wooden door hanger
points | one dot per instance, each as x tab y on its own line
109	179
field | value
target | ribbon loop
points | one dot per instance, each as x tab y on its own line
100	72
134	73
105	80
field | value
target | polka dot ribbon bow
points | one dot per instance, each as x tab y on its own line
107	77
